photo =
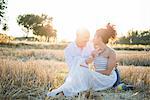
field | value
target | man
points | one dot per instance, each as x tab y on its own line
79	50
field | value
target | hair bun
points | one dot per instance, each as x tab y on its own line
111	30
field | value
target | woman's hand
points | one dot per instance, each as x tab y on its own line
93	55
89	60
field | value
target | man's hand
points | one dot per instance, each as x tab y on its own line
87	61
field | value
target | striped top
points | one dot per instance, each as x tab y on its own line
100	63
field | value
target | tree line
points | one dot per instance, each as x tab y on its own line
135	37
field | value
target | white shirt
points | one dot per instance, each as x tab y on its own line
73	54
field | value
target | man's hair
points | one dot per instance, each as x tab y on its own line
82	31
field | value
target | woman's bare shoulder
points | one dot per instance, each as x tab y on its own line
110	51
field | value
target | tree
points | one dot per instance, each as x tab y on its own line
27	21
46	31
3	7
136	37
39	25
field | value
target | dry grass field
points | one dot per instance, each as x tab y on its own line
29	73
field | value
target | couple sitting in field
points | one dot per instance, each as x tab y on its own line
80	54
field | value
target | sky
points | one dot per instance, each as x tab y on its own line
69	15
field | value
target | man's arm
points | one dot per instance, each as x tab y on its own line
73	60
68	58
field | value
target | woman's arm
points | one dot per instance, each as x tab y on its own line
92	56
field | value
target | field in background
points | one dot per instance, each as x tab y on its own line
28	71
46	45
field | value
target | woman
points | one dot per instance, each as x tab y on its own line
81	79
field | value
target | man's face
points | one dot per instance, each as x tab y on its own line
83	39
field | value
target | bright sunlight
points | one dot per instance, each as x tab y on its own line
69	15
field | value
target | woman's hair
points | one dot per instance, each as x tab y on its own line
106	33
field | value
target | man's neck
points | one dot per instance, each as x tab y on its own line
78	45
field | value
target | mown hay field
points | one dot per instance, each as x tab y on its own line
29	73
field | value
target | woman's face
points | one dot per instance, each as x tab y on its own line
96	42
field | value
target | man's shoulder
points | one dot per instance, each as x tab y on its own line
70	45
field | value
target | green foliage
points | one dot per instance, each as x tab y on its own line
3	7
136	37
39	25
5	27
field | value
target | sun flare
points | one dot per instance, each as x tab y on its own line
69	15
